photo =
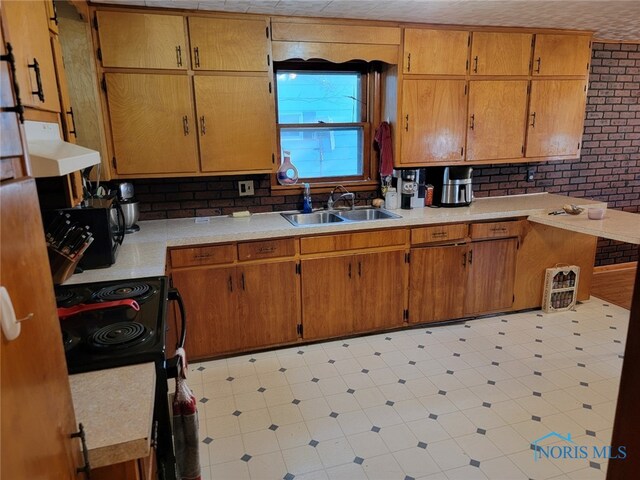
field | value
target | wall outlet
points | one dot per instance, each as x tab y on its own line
245	189
530	174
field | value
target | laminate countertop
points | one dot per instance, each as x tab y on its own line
115	407
144	253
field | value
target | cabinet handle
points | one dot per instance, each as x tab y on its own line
498	229
475	64
54	19
179	55
464	259
470	257
18	108
360	269
349	269
473	121
36	68
185	125
533	120
230	284
196	54
406	123
73	123
86	468
439	234
408	62
203	127
538	61
242	279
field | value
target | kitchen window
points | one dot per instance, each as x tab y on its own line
323	120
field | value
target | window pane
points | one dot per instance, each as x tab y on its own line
311	97
324	152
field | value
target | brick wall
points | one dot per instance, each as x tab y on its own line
608	169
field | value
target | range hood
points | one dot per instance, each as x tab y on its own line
53	157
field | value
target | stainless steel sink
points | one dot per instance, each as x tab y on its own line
364	214
336	216
315	218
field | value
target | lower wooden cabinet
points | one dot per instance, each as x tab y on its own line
138	469
352	293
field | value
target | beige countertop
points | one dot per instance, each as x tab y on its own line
144	253
116	408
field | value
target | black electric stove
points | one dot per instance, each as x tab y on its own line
114	336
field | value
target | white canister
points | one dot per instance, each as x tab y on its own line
391	199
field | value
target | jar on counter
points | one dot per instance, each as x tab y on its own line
391	199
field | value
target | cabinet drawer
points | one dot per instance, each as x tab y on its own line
438	233
266	249
496	229
353	241
188	257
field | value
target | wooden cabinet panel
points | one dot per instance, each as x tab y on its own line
152	123
28	26
434	121
292	31
269	303
353	241
379	290
497	116
236	123
327	310
556	117
229	44
141	40
491	267
497	229
285	247
500	53
437	52
437	283
211	302
213	255
439	233
561	54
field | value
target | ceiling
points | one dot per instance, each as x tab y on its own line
609	19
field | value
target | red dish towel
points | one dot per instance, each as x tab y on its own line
385	147
185	426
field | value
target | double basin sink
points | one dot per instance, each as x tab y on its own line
338	216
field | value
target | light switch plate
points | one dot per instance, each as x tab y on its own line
245	188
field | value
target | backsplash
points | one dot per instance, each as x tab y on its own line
608	170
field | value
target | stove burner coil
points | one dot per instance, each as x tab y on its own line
62	297
138	291
118	335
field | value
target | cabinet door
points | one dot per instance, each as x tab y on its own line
434	117
379	291
435	52
236	123
141	40
270	303
327	297
500	53
228	44
152	123
561	55
437	283
491	268
497	116
556	116
211	302
28	27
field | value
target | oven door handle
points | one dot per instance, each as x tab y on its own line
174	364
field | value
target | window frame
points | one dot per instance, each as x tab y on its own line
370	113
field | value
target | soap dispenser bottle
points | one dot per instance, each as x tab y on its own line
306	205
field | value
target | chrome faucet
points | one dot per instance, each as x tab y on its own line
347	195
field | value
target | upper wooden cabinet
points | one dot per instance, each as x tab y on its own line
497	116
28	32
433	121
500	53
435	52
561	55
236	123
229	44
152	123
141	40
556	115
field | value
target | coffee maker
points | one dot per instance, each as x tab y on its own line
452	186
410	183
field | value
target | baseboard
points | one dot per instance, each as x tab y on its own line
615	266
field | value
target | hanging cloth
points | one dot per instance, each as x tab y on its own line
385	147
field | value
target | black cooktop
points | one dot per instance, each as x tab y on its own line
115	336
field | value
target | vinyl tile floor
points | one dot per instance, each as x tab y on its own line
461	401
